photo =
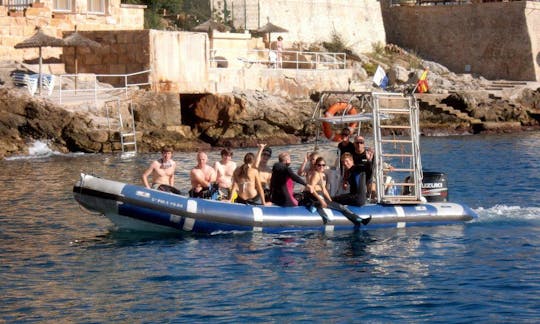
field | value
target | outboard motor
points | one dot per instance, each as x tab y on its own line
435	186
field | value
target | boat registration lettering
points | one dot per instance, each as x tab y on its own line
166	203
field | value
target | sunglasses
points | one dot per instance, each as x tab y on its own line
266	154
359	142
321	165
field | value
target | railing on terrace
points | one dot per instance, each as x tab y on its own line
96	89
17	5
230	58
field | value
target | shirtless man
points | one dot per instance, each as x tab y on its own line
162	170
247	183
201	176
261	163
224	172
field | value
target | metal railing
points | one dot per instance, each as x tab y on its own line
96	89
17	5
229	58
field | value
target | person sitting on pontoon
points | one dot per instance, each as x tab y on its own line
224	172
265	172
247	184
308	165
365	157
282	182
162	172
355	179
201	176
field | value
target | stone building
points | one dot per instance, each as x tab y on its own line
18	20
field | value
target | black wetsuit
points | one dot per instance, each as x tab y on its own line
281	185
349	147
356	178
360	160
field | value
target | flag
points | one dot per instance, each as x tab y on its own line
422	85
379	78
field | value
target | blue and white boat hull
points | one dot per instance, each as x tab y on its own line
138	208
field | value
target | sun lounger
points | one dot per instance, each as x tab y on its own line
30	81
25	80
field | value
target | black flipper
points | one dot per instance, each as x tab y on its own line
322	213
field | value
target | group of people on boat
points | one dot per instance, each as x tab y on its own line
255	183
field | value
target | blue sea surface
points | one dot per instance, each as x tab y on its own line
61	263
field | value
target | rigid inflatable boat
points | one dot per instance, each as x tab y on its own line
420	198
138	208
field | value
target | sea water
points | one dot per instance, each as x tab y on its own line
61	263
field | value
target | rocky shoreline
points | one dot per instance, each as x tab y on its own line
455	105
234	120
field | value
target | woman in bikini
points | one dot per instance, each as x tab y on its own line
247	183
317	179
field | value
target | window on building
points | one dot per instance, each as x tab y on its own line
97	6
63	5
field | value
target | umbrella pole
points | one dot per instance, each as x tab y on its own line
39	75
76	69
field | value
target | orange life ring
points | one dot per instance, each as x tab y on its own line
337	109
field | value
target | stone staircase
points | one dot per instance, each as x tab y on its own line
502	85
434	104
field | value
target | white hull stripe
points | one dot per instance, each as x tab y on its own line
257	218
400	213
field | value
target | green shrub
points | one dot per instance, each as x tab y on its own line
370	68
336	45
378	48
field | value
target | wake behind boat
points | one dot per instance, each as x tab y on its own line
419	197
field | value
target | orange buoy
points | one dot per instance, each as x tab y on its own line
339	108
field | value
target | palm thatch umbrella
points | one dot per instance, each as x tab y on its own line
211	25
76	40
39	40
269	28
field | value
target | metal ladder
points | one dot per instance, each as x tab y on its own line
120	118
396	136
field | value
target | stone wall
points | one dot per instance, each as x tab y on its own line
358	22
288	83
179	61
121	52
18	26
498	40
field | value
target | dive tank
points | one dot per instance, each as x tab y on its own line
435	186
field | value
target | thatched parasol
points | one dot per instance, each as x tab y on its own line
270	28
211	25
77	40
39	40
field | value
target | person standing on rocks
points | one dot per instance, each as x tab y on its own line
162	172
201	176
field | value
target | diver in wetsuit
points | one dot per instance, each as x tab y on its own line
282	182
355	177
